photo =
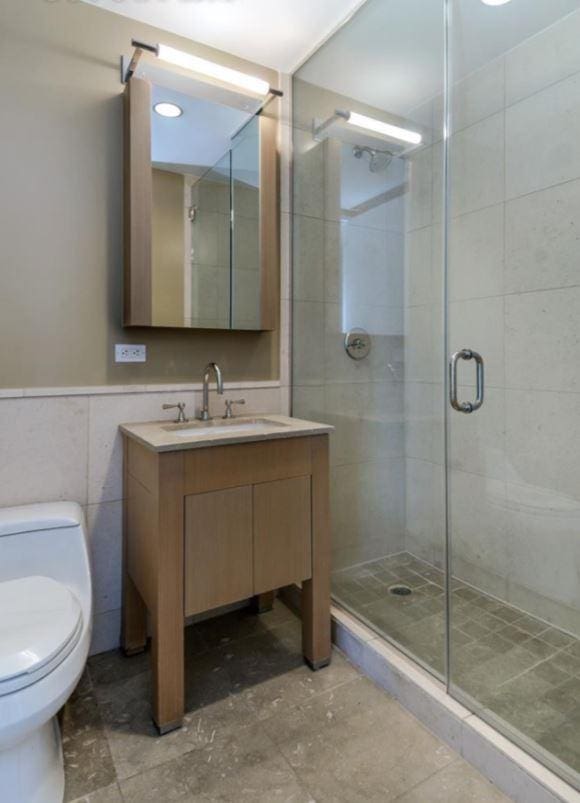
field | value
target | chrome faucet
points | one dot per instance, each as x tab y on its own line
211	366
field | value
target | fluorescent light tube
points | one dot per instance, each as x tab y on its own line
393	131
213	70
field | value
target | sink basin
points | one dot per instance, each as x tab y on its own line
168	436
222	426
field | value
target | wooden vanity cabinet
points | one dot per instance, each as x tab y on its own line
210	526
218	549
244	541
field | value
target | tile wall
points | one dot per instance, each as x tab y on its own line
514	257
67	447
348	271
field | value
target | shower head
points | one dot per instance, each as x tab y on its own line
378	159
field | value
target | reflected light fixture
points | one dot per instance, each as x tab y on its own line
209	68
168	109
494	2
379	127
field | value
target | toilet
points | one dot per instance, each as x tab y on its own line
45	631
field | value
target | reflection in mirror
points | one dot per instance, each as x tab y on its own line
202	147
191	232
246	294
209	224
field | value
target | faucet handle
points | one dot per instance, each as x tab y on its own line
229	403
181	419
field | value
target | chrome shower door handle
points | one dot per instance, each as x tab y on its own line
466	407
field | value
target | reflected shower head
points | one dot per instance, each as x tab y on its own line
378	159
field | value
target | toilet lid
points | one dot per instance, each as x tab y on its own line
40	621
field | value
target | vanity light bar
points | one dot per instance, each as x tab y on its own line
388	130
212	70
187	61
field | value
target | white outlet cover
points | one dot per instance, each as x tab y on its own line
130	352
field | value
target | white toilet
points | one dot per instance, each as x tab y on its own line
45	631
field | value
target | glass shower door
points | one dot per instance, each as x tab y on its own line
368	254
513	297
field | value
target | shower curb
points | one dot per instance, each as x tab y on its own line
511	769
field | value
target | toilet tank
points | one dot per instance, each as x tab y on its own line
49	540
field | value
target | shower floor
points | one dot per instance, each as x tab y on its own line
518	667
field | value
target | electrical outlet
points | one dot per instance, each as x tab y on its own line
129	352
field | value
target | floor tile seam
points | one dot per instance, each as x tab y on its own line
96	685
83	798
265	632
315	695
514	623
296	775
101	728
454	756
372	560
562	650
228	730
530	637
158	767
407	711
530	668
302	704
455	759
272	749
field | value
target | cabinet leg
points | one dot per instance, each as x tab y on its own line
316	639
134	622
316	644
167	655
262	603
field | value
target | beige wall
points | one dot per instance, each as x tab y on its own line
168	248
61	209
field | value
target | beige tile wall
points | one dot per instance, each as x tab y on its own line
68	447
423	356
514	253
355	265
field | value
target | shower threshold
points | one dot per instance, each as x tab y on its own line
511	668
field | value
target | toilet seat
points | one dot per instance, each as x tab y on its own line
40	623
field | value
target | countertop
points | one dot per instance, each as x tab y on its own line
160	436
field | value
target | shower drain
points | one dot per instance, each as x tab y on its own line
400	591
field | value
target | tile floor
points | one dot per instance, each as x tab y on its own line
523	670
260	727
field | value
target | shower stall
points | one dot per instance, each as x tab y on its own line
436	325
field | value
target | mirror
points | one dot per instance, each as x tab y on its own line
201	201
245	171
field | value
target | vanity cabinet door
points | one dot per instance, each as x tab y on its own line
218	548
282	533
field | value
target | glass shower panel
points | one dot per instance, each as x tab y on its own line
514	297
368	251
